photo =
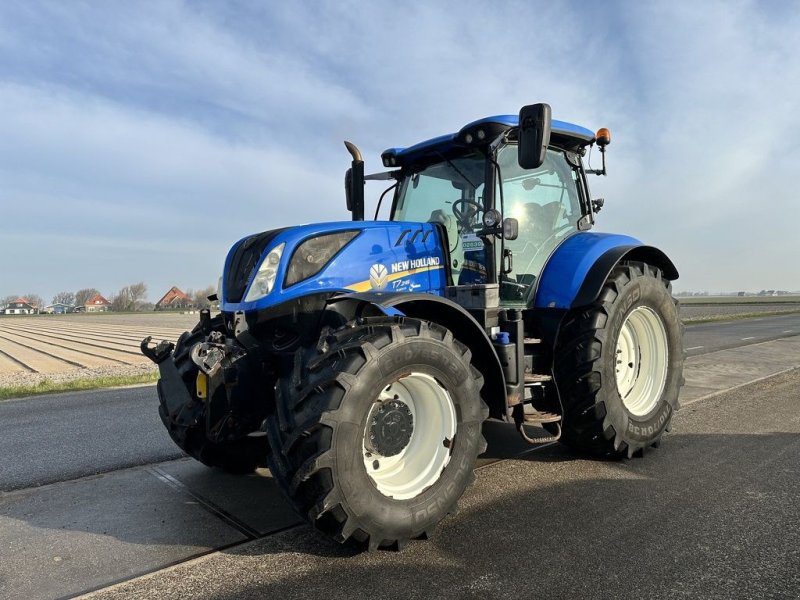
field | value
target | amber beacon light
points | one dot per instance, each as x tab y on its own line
603	137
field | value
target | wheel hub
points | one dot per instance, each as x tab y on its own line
391	426
641	360
408	436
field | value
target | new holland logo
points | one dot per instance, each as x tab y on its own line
378	276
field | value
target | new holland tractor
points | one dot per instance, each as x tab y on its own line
360	359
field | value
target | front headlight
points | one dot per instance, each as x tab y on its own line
264	280
311	256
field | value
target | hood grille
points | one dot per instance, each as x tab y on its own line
243	261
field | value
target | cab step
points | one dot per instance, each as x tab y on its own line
534	378
526	415
534	417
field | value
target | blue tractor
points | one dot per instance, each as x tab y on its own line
359	360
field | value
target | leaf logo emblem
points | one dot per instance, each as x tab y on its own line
378	276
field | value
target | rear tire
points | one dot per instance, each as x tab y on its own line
240	456
619	364
376	436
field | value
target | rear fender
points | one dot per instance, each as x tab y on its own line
445	313
575	273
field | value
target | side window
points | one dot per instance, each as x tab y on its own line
545	201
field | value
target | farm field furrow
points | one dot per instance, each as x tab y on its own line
109	330
74	357
133	337
84	343
41	362
137	320
9	365
65	346
120	356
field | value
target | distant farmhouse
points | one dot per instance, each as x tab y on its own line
97	304
20	306
174	299
59	308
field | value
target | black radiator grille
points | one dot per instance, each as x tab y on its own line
244	260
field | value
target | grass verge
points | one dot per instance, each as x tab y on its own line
47	386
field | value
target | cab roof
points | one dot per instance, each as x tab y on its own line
564	135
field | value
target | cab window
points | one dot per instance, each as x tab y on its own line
546	203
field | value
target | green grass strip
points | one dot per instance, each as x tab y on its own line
75	385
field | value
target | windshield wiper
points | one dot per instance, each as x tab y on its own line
457	170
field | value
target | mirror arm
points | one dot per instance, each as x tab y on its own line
602	171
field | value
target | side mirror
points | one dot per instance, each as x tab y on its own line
510	228
534	135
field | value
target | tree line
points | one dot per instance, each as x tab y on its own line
130	298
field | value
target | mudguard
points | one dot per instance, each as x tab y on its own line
447	314
577	270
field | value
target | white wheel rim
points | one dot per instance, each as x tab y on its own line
421	462
641	360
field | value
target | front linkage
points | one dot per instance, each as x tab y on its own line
206	397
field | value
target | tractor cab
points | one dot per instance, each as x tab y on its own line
501	220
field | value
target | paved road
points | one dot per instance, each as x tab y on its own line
712	514
710	337
681	522
65	436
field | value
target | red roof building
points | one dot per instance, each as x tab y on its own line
174	298
20	306
97	304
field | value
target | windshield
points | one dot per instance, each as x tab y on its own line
546	203
449	193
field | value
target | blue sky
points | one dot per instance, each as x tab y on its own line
139	140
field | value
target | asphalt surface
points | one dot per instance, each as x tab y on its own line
712	514
100	497
66	436
711	337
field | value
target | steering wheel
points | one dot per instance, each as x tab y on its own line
462	215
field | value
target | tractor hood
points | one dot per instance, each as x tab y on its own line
276	266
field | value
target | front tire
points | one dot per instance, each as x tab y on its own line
376	436
619	364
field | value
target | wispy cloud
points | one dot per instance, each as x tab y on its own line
166	126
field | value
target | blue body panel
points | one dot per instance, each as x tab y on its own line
444	143
567	268
372	260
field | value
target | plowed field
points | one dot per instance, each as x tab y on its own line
49	344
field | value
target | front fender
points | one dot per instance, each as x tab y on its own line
575	273
447	314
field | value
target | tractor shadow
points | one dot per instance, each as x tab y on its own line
702	504
685	520
504	442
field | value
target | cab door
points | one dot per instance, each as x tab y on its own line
546	203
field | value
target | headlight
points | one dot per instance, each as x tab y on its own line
264	280
313	254
219	290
